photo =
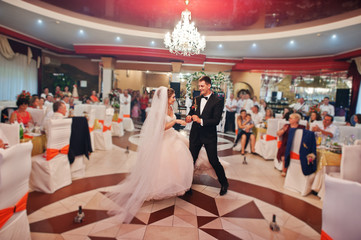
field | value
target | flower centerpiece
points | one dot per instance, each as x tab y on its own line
114	99
24	95
314	108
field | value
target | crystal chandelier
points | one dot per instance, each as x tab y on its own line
185	39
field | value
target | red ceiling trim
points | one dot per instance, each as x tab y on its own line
137	51
36	42
349	55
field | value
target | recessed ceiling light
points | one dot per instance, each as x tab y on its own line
318	34
40	21
147	71
220	46
81	31
292	42
118	38
152	43
254	45
334	36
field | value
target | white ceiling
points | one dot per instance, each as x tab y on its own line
23	17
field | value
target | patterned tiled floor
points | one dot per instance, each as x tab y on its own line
255	194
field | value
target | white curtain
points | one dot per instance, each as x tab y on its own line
17	75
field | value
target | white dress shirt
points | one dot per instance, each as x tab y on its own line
203	104
257	117
330	109
232	104
247	105
301	107
125	102
331	129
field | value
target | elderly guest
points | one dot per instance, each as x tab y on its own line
294	120
327	129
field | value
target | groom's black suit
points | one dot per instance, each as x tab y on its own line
207	134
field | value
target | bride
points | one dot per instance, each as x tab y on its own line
164	164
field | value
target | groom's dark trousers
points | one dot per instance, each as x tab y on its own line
207	134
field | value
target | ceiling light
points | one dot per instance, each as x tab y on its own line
40	21
152	43
254	45
81	31
334	36
292	42
118	38
220	46
185	39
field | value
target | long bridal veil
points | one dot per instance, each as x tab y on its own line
130	194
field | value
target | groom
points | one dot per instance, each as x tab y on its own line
206	113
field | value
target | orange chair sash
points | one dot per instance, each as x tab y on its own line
294	155
28	136
51	153
279	143
270	138
126	115
7	213
106	128
325	236
101	121
91	129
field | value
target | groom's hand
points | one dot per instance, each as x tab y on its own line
196	119
188	119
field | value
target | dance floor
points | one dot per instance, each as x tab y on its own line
255	193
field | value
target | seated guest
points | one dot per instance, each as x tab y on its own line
286	113
314	116
327	108
245	125
256	115
107	103
45	93
21	115
301	107
34	102
41	103
59	112
262	106
269	114
66	91
356	119
71	103
294	120
49	99
94	97
65	99
58	93
327	129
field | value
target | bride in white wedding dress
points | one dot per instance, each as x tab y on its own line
164	164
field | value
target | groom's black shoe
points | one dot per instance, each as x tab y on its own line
224	189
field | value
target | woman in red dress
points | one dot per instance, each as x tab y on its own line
21	115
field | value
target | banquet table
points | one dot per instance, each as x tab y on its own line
258	131
326	160
39	143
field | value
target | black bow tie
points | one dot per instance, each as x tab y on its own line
204	97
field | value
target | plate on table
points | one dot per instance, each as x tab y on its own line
34	134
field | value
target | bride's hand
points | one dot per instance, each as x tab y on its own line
181	122
188	119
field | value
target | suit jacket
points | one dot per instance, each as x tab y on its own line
80	142
211	116
308	146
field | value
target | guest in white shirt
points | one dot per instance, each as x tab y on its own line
247	103
326	107
326	128
231	107
255	101
301	106
239	103
59	112
45	93
125	100
262	106
257	117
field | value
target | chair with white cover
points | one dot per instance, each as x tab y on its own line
350	167
53	172
103	136
347	132
15	167
267	146
279	164
341	210
91	122
128	123
37	115
339	119
117	125
358	125
296	180
11	132
357	142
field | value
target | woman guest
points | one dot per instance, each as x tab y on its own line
21	115
94	97
314	116
41	103
34	102
294	120
144	104
269	114
66	91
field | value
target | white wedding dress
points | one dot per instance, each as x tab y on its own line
164	165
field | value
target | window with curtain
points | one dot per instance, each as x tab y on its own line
17	75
